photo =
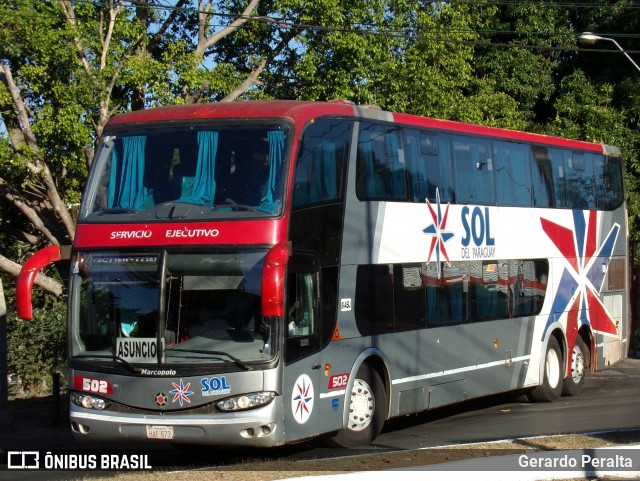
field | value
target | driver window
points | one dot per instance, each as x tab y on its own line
302	321
302	312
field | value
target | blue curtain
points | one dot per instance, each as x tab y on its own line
418	172
366	161
323	177
204	184
126	188
271	202
394	165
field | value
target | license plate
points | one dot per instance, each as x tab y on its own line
160	432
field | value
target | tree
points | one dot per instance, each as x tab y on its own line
67	67
532	55
409	56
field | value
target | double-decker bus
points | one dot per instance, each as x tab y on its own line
259	273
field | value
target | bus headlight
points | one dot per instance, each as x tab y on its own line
89	402
246	401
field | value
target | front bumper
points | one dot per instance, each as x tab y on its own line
262	427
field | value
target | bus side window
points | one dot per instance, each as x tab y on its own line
447	293
428	166
562	180
528	286
512	167
380	167
395	161
409	298
608	181
320	164
488	290
542	179
374	303
575	179
417	169
474	171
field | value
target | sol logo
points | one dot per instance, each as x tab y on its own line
302	399
477	228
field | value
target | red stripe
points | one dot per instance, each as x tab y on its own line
498	133
300	112
591	246
600	318
250	232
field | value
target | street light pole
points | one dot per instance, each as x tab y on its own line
588	38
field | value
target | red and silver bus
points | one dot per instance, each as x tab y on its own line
258	273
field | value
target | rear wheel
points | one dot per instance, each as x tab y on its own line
551	387
367	410
579	365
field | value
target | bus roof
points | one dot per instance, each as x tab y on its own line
302	111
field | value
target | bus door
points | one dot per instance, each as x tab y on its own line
304	371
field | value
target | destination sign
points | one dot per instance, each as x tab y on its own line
143	349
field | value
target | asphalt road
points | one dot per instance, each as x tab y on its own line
610	401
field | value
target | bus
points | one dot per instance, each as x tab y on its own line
259	273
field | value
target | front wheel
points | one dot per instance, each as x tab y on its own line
579	365
551	387
367	410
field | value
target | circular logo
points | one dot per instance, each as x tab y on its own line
161	399
302	399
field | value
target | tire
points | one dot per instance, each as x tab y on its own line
579	366
553	373
367	410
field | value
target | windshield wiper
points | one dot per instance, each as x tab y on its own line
174	209
125	363
236	361
117	210
234	206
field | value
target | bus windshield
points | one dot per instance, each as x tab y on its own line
168	308
196	172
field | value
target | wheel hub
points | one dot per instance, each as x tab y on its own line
553	368
362	406
578	365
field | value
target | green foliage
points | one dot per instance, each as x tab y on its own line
509	65
587	111
37	348
527	74
34	40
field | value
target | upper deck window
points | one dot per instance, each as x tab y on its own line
322	157
381	172
474	170
192	172
402	163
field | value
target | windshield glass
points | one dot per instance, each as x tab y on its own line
191	172
169	308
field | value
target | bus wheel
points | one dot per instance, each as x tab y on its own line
551	386
579	364
367	410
